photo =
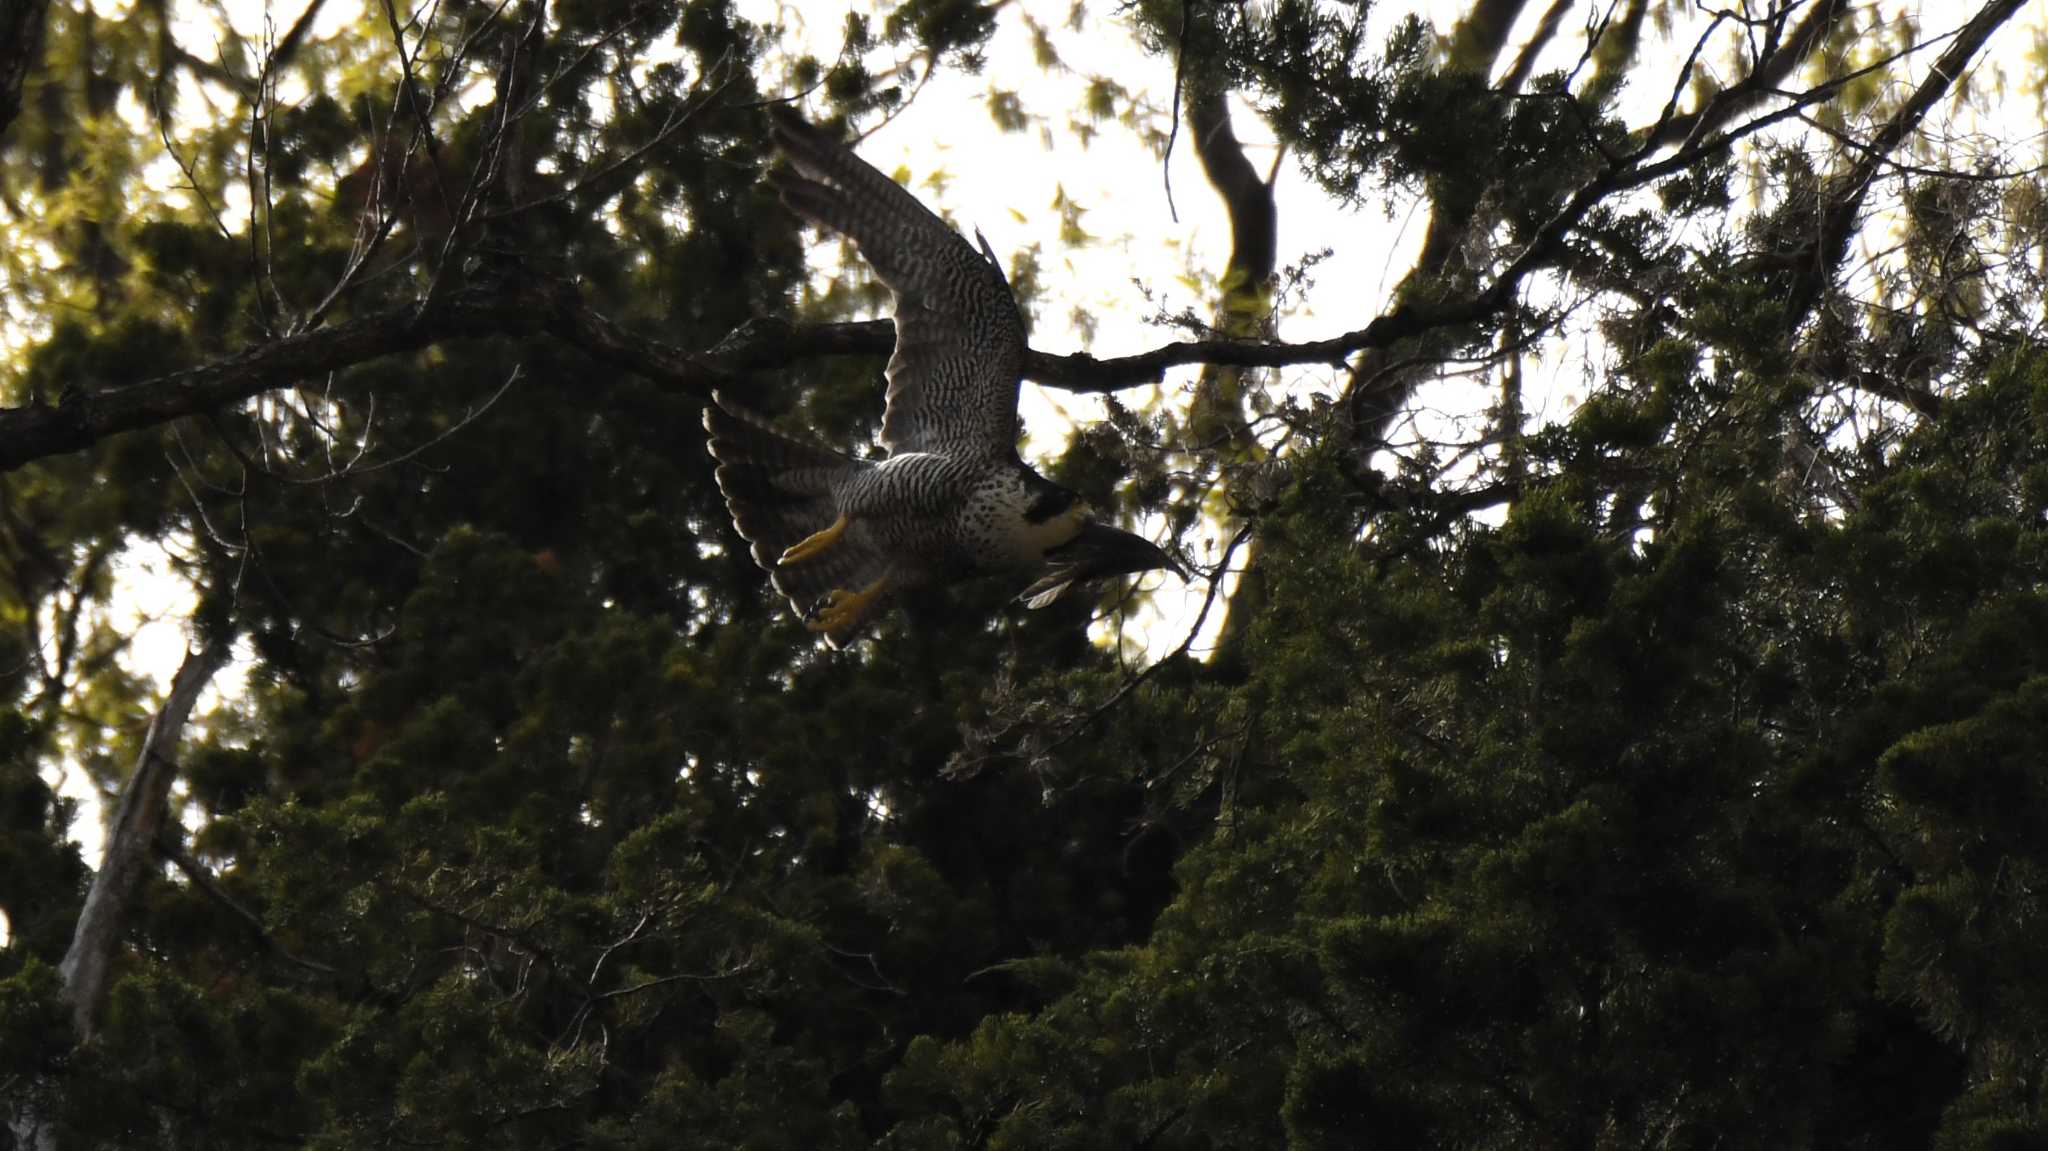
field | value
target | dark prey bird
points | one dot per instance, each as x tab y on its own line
838	535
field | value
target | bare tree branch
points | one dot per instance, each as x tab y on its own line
204	880
1254	219
1476	46
1525	60
1246	309
1477	39
1768	73
90	414
130	839
1843	196
1373	395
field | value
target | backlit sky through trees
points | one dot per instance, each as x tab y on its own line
1113	260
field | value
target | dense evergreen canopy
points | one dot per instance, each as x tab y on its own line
1658	759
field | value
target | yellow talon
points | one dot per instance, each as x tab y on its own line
816	544
842	609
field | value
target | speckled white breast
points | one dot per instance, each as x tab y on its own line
993	522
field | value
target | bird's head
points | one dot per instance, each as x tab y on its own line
1097	551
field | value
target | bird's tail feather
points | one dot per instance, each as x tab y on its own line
742	439
779	490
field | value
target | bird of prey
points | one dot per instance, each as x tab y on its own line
840	536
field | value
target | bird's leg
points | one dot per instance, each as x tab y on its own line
815	544
842	609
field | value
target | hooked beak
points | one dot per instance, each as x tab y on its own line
1101	550
1098	552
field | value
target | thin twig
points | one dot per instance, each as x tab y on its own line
1180	61
204	880
1195	629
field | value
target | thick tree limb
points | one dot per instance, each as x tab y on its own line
1373	396
1844	194
21	48
130	841
1217	415
1477	40
1477	45
1517	75
92	412
1776	63
1254	218
1817	263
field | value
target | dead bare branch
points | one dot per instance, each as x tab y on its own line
138	819
204	880
1845	193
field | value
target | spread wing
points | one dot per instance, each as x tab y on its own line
959	341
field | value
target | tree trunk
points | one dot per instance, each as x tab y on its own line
21	45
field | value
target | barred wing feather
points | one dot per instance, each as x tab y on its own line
959	340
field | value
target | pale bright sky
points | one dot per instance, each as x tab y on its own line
1007	185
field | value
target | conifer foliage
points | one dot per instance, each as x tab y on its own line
1614	712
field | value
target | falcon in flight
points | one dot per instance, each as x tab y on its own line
839	536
